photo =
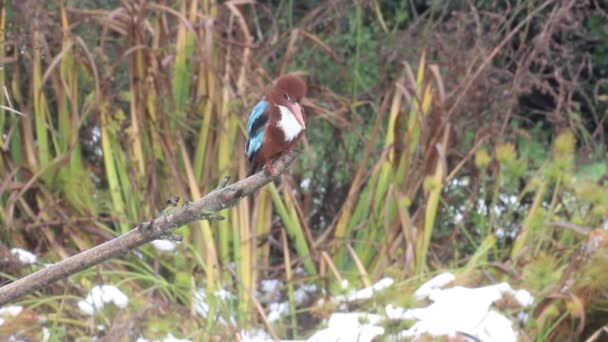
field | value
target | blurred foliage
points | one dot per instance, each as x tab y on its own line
462	135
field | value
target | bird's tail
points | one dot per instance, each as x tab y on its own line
252	167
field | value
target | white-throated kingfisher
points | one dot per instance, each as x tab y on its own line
276	123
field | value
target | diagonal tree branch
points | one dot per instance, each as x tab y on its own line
205	208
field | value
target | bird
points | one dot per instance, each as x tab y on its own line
275	123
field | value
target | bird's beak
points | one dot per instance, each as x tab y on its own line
296	109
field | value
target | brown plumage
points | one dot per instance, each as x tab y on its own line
284	121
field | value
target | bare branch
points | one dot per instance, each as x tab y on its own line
161	226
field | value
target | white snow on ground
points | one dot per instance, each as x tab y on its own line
10	310
438	281
341	327
508	199
99	296
523	297
367	292
461	309
270	290
46	334
169	338
301	295
459	182
453	310
201	305
24	256
164	245
200	302
482	208
458	218
255	335
346	327
500	233
271	285
305	184
224	295
522	317
277	310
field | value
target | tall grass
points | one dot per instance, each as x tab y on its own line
376	213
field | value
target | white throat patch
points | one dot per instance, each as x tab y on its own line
288	123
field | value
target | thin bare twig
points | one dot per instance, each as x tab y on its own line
161	226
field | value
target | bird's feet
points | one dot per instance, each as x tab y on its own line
271	168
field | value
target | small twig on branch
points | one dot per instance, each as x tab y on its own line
205	208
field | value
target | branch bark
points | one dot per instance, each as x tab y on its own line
163	225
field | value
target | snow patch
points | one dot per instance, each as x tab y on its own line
10	310
508	199
270	290
458	218
460	309
99	296
452	311
436	282
171	338
202	307
482	208
224	295
25	257
277	310
523	297
346	327
270	293
459	182
302	294
46	334
305	183
366	293
200	302
255	335
498	210
271	285
164	245
500	233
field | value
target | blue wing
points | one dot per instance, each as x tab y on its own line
256	125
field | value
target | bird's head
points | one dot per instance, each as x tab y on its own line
289	91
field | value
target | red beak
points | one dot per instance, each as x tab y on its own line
296	109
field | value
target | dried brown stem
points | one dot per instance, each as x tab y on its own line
158	227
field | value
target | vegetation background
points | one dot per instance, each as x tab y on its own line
442	135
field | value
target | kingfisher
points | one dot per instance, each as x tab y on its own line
276	123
